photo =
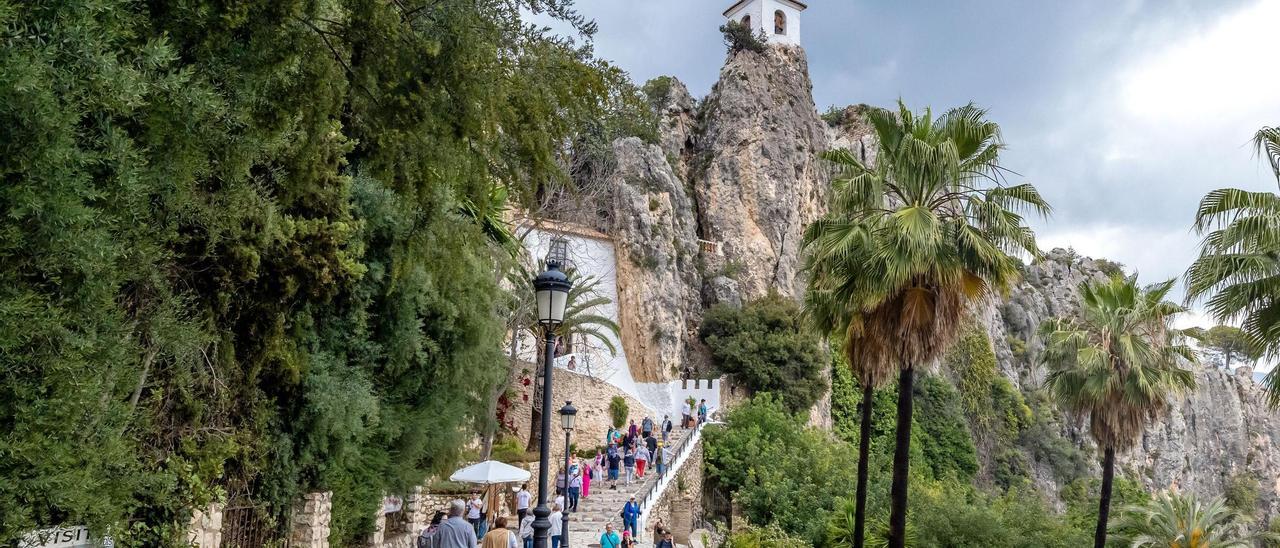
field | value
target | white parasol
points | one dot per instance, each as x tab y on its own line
490	472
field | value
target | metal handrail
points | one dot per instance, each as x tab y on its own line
681	449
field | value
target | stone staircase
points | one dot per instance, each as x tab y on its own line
604	505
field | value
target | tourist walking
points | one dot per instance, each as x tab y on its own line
557	525
610	538
667	541
659	529
646	427
631	430
424	539
499	536
629	463
455	532
702	412
642	459
588	472
615	459
523	497
575	490
651	443
526	530
667	455
628	540
560	485
475	513
687	412
630	516
666	427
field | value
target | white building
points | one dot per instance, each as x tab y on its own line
779	20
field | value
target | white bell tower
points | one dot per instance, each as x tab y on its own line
779	20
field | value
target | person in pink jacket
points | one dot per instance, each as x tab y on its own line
587	469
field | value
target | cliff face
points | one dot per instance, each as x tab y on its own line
659	283
1221	429
757	177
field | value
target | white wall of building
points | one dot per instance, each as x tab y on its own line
595	257
762	13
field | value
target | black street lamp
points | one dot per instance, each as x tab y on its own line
567	414
552	289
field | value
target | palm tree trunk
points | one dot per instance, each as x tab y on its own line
864	447
901	461
1104	501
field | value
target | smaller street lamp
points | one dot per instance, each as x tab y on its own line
567	415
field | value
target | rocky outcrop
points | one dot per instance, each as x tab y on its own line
677	121
659	285
1221	429
757	177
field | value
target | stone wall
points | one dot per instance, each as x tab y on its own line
205	529
681	504
311	517
590	395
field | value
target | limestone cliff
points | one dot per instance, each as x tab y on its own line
757	176
651	219
1221	429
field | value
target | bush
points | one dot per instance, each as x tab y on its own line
763	537
764	347
618	411
781	472
509	450
738	37
1241	493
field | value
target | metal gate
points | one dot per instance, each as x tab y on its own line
251	526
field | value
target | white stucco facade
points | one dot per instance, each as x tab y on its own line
593	256
770	16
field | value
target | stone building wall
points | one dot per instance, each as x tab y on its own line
590	395
680	505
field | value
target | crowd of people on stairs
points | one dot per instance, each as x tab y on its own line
629	455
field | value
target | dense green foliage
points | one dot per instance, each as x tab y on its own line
249	247
1236	274
1182	521
765	347
1241	493
781	473
618	411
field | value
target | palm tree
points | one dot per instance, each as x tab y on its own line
1238	270
1118	362
1171	520
909	244
581	322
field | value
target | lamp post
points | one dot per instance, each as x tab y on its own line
552	289
567	414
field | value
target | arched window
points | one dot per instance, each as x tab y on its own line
746	21
779	22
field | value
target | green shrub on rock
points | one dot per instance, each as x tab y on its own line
764	347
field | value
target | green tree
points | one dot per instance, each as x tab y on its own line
764	347
779	471
1223	344
1238	269
249	247
910	243
1118	362
1182	521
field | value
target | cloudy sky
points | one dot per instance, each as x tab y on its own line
1123	112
